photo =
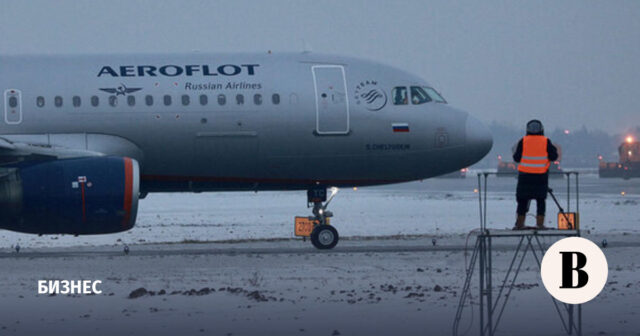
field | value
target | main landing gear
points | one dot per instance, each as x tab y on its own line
323	236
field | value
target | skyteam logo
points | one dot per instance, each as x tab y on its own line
370	95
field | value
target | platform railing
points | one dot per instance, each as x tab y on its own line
482	191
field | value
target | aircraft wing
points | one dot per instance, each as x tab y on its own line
15	152
6	144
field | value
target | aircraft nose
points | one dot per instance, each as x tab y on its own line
479	139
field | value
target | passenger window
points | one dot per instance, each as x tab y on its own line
148	99
257	99
113	101
75	101
95	101
131	100
167	100
419	96
40	101
222	99
13	102
239	99
275	99
57	101
185	100
399	95
204	100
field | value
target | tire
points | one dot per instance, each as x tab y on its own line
324	237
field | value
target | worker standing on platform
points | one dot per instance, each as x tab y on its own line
534	153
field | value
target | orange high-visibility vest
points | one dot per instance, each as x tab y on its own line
535	158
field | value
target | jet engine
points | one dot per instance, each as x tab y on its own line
91	195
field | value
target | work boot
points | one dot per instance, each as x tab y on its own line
540	223
519	222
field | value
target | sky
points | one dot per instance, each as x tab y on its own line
568	63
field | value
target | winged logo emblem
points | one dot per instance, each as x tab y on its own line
120	90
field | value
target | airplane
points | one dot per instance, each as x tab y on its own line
85	137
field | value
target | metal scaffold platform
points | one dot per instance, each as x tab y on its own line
493	300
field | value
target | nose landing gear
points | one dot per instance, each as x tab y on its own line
323	236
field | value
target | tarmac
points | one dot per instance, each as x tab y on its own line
407	285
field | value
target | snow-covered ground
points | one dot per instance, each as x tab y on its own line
402	286
432	207
225	264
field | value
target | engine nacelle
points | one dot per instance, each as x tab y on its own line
76	196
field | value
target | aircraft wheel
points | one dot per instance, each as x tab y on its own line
324	237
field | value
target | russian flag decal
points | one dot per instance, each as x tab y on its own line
400	127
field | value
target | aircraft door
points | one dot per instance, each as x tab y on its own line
332	104
12	106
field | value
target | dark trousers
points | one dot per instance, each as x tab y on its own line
532	187
524	203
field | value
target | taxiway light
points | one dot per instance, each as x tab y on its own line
623	193
475	190
355	188
629	139
566	131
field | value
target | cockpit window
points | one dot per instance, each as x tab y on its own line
419	96
434	95
425	94
399	95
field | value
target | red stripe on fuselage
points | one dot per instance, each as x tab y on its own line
128	192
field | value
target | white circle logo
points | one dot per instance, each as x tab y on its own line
574	270
370	95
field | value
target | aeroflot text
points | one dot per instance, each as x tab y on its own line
69	287
177	70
